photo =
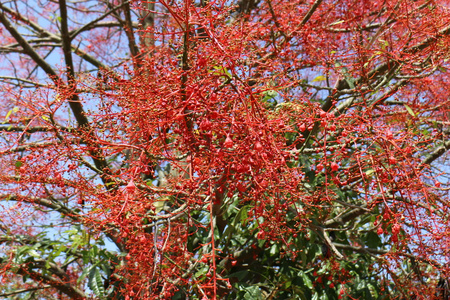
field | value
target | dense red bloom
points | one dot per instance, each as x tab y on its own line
213	149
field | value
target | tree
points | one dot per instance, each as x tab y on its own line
224	150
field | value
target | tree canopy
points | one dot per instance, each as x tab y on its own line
251	149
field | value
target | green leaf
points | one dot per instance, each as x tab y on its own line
202	272
304	258
306	280
319	78
34	253
221	71
287	284
106	268
58	250
243	212
240	275
324	297
269	94
410	111
372	240
273	250
159	205
369	172
336	23
7	115
85	272
253	293
18	164
96	283
10	112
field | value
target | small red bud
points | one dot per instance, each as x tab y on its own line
131	187
205	124
261	234
392	160
228	142
334	166
389	134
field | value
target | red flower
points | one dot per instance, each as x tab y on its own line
334	166
131	187
228	142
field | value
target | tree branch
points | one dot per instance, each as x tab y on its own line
28	49
66	288
437	152
16	292
30	129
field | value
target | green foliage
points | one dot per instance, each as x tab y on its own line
96	283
